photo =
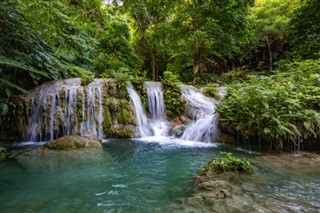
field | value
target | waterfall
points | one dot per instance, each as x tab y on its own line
65	107
56	105
158	121
92	126
202	111
141	117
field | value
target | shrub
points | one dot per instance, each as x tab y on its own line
280	108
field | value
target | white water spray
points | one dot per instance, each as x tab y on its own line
141	117
158	121
202	111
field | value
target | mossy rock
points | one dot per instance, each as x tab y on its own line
73	142
125	116
107	119
226	164
120	131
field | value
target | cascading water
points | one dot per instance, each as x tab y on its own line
92	126
202	111
66	108
141	117
57	106
49	104
158	121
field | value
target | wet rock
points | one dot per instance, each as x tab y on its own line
48	161
218	192
291	163
249	187
219	196
73	142
120	131
177	131
177	121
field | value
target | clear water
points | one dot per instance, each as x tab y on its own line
131	176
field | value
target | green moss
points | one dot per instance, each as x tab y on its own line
227	163
211	90
126	133
107	120
73	142
87	79
120	133
79	145
59	144
125	117
112	103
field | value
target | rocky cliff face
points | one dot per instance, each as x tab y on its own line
100	109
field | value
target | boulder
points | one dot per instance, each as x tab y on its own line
73	142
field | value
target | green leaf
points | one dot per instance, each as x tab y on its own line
16	64
307	125
266	131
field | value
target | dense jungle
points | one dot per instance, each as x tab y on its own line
265	52
159	106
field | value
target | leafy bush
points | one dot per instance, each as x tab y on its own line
227	163
172	95
280	108
2	149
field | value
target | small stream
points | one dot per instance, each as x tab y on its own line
149	175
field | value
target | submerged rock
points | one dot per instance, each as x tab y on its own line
50	161
234	192
217	195
73	142
291	163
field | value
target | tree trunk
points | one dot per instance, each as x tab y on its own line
195	71
154	74
270	52
154	66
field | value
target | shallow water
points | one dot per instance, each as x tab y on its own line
132	176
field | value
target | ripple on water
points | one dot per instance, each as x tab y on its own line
111	192
120	186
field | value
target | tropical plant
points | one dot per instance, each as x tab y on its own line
2	149
50	40
227	163
279	109
175	106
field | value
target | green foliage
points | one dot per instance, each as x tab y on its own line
50	40
187	37
87	80
211	91
227	163
280	108
209	33
2	149
269	22
305	31
175	106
